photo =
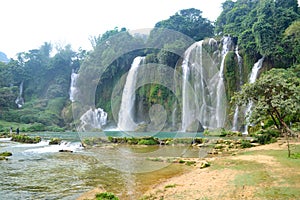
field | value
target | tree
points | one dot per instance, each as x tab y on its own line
275	95
97	40
291	42
189	22
289	4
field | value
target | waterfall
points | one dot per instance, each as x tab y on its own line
174	115
187	112
235	118
92	119
20	101
73	88
252	79
126	113
236	112
221	104
203	92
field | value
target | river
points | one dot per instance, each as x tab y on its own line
40	171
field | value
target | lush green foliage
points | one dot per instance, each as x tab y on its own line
259	26
267	136
189	22
275	95
25	138
106	196
267	27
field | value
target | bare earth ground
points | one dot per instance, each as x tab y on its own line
210	183
220	180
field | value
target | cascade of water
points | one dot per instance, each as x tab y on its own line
236	112
235	118
73	88
20	101
203	92
174	115
252	79
126	113
190	65
93	119
221	104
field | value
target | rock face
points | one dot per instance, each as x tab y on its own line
195	126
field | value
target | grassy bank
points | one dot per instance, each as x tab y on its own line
263	172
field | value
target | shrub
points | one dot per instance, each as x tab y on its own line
148	141
54	141
36	127
25	139
245	144
267	136
106	196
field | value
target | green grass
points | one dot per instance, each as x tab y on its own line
251	178
106	196
6	125
280	181
170	186
279	193
240	165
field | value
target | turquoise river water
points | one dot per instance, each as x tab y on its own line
40	171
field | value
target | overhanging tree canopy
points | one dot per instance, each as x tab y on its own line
275	95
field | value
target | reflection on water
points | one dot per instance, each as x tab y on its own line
39	171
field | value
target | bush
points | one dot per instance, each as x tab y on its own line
148	141
54	141
246	144
267	136
25	139
36	127
106	196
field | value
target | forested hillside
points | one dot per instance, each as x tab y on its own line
258	29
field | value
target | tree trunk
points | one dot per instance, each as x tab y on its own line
283	123
288	145
274	120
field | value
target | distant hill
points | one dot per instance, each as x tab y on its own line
3	57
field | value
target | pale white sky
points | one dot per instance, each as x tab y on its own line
27	24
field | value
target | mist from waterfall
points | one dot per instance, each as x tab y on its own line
93	119
20	101
254	73
126	113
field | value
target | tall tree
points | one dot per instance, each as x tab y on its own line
291	41
275	95
189	22
289	4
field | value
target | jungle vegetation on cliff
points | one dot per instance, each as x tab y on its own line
260	28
